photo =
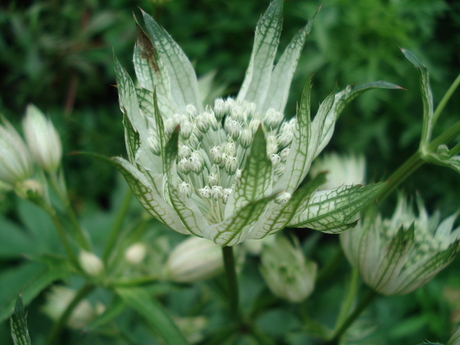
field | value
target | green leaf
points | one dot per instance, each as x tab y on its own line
257	80
281	78
279	215
153	312
256	177
132	140
182	77
28	279
427	97
331	211
115	308
235	229
16	241
18	322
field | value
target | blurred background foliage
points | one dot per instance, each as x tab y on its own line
57	54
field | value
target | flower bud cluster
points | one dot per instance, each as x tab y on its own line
214	144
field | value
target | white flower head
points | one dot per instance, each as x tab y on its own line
398	255
42	138
251	150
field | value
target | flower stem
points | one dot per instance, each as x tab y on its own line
117	225
229	264
58	184
445	99
371	295
59	325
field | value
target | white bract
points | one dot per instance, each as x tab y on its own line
42	138
15	161
230	171
398	255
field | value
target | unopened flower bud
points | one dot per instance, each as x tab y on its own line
90	263
194	259
135	253
15	160
43	140
286	271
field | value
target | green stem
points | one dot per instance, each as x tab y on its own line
62	235
58	184
403	172
59	325
445	137
445	99
371	295
117	225
229	264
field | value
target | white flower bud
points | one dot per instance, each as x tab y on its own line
217	192
216	155
273	118
15	160
285	138
205	192
211	119
184	151
90	263
186	129
193	260
227	192
284	154
196	162
184	165
185	189
28	187
43	140
233	128
246	138
231	164
213	179
135	253
202	123
238	173
191	110
229	148
272	145
253	125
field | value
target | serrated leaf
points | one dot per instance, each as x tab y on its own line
331	211
18	322
427	97
186	210
182	77
256	177
278	216
298	162
154	313
257	79
281	78
235	229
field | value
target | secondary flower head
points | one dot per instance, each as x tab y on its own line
398	255
15	161
43	140
287	272
230	171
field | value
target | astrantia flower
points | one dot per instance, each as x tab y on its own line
398	255
230	171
